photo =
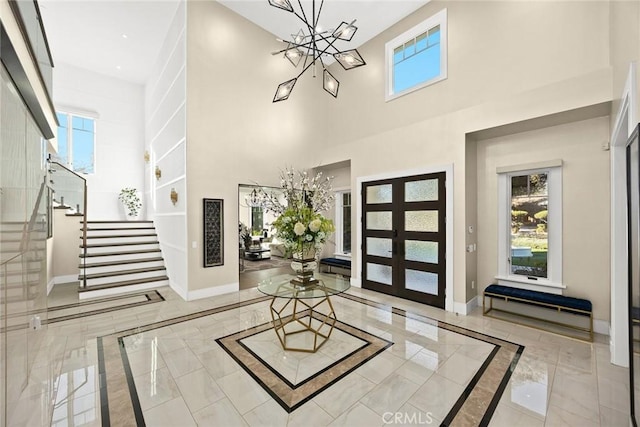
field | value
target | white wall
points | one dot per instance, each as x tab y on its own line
119	154
165	121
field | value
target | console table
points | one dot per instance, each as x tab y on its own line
299	311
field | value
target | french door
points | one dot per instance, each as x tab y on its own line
404	237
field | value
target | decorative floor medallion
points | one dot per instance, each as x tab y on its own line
289	395
294	378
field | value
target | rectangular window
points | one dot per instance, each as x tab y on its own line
529	238
418	57
530	228
76	142
343	223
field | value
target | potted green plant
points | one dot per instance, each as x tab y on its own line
131	202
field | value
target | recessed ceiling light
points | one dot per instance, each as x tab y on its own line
118	67
124	36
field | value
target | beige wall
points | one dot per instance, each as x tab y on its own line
341	173
624	20
496	48
66	242
504	67
235	133
471	219
585	208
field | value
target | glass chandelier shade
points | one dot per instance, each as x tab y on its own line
329	83
349	59
312	44
282	4
284	90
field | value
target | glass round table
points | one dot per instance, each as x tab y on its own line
303	316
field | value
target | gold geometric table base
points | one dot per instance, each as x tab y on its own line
300	323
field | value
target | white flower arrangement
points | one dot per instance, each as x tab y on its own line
300	225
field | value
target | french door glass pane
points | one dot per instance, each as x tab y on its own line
379	273
379	194
421	281
379	221
426	221
529	239
421	251
379	247
421	191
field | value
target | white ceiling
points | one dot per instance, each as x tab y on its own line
89	33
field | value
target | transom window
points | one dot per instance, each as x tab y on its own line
418	57
530	227
76	142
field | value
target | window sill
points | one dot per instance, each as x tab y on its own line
342	256
538	285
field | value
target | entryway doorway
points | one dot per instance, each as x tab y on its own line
404	237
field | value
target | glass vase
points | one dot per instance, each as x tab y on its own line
304	263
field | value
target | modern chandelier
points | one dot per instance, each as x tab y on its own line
312	43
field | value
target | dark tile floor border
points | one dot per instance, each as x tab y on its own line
474	407
291	396
149	297
479	400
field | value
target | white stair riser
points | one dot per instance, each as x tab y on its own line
122	289
123	277
104	249
117	224
110	240
122	231
111	258
110	268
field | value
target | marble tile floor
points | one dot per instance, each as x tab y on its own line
172	370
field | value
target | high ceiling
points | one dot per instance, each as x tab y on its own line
123	38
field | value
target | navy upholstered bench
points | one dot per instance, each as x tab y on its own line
560	303
335	262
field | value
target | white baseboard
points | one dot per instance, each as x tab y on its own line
213	291
466	308
601	327
356	282
70	278
50	285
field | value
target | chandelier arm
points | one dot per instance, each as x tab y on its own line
317	18
293	46
311	63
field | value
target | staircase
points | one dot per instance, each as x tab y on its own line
22	274
120	256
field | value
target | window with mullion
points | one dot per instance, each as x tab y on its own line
76	142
